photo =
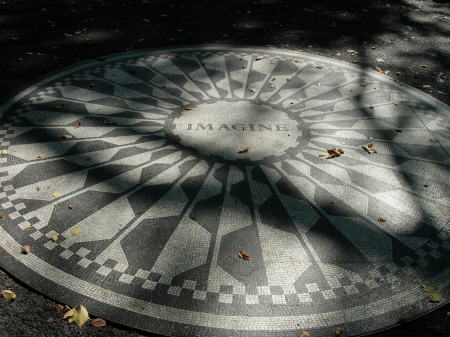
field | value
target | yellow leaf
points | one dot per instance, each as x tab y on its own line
26	249
304	334
243	255
40	155
338	331
3	152
54	237
67	136
435	297
82	316
75	230
187	108
252	89
430	288
9	295
70	313
98	322
380	219
56	194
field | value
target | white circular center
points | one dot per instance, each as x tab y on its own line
237	130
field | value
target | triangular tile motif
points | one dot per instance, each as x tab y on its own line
195	187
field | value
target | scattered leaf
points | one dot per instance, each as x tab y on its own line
341	150
56	194
398	130
243	255
252	89
3	152
380	219
98	322
304	334
338	331
50	320
67	136
54	237
187	108
426	86
431	288
258	58
40	155
438	329
9	295
369	148
363	84
26	249
244	150
57	307
425	185
58	106
2	215
319	67
69	206
109	122
333	153
77	125
79	316
75	230
323	155
288	79
352	52
424	65
435	297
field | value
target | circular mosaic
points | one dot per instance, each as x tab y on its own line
221	191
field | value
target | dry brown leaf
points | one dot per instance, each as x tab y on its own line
109	122
2	152
244	150
243	255
187	108
9	295
380	219
438	329
369	148
54	237
26	249
2	215
75	230
363	84
58	106
57	307
258	58
69	206
338	331
341	150
50	320
77	125
333	153
98	322
304	334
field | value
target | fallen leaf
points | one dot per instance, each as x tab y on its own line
77	125
3	152
425	185
243	255
26	249
398	130
50	320
338	331
431	288
424	65
438	329
380	219
40	155
109	122
351	51
426	86
341	150
304	334
2	215
75	230
363	84
58	106
67	136
54	237
333	153
252	89
319	67
98	322
9	295
69	206
57	307
369	148
435	297
323	155
244	150
258	58
79	316
56	194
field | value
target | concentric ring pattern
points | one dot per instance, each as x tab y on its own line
137	179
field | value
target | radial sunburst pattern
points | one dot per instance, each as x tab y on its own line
138	179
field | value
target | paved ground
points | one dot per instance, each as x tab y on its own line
398	39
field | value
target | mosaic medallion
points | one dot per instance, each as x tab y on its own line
140	181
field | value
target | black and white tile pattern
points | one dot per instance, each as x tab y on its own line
175	160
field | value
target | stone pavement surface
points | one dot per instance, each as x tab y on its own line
184	157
